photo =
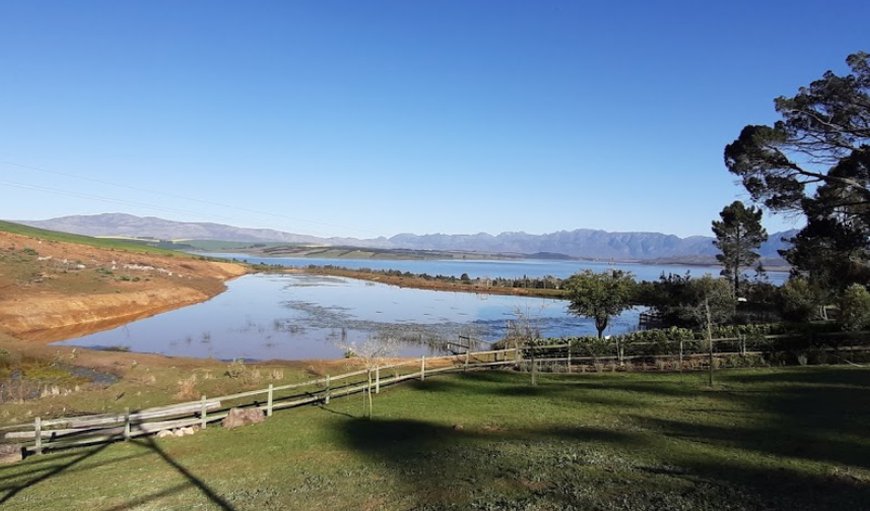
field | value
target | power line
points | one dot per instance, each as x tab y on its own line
168	194
100	198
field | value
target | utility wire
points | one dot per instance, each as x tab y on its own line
175	196
100	198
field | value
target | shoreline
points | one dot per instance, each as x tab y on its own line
416	282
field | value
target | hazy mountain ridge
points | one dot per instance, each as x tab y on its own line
584	243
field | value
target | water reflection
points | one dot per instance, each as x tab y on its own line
305	316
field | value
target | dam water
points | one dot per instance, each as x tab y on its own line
272	316
276	316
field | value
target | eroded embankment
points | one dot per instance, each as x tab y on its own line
54	290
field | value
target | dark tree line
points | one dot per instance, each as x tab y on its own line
815	161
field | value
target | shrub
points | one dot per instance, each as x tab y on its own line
800	300
187	388
237	369
855	308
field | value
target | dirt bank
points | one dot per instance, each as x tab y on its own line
52	290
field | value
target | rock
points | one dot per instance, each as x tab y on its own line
242	417
10	453
165	433
458	427
187	431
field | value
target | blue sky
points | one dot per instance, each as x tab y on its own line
374	118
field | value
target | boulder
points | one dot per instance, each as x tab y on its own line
164	433
242	417
10	453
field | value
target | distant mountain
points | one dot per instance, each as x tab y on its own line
580	243
123	225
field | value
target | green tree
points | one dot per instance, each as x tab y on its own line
600	296
738	235
800	300
855	308
816	161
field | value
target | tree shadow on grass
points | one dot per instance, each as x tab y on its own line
42	469
439	467
670	462
815	415
826	376
48	471
444	467
192	480
38	467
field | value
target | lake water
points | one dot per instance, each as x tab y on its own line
512	268
270	316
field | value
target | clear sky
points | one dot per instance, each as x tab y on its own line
365	118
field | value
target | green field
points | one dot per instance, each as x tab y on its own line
796	438
105	243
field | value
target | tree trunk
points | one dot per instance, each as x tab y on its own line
600	325
709	336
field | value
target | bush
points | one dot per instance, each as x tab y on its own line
799	300
854	308
237	369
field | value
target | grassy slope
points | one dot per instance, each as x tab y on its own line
106	243
766	439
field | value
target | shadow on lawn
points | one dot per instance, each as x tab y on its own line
442	467
818	415
638	464
43	468
35	476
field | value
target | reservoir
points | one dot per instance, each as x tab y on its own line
297	317
506	268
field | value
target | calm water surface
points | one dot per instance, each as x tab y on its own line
267	316
513	268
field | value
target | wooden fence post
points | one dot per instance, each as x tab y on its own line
326	396
127	424
423	368
377	379
203	410
681	355
269	401
618	354
37	430
569	357
534	369
369	393
467	351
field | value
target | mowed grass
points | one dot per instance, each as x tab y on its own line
795	438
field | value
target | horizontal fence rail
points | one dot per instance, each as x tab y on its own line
41	435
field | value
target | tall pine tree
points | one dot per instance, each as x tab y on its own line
738	235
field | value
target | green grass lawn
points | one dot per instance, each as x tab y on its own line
796	438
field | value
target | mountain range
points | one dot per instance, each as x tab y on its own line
579	243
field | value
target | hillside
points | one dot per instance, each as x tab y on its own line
54	285
580	243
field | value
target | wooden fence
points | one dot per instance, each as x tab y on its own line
836	344
42	435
